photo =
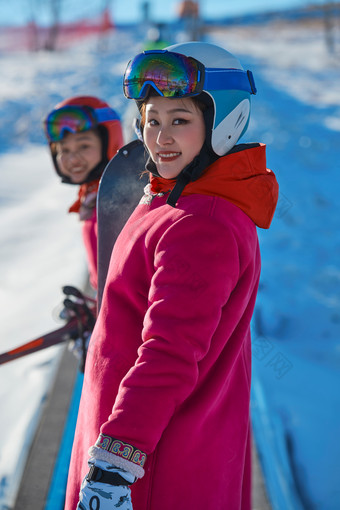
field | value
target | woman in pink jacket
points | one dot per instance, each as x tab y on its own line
84	133
164	416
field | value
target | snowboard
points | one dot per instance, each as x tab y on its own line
120	189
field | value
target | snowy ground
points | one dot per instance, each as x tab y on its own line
296	327
296	113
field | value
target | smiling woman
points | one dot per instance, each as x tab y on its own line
84	133
167	377
173	133
78	154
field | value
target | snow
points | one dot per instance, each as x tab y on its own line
296	113
296	326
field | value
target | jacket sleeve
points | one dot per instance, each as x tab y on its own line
196	267
90	236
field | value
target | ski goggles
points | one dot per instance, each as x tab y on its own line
175	75
75	119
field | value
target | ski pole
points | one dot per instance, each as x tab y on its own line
67	332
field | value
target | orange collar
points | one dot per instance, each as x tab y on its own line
241	178
84	191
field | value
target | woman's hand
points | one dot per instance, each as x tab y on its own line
105	487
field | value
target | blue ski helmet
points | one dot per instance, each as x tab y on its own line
231	106
210	74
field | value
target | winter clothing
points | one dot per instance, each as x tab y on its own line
242	165
85	206
112	139
86	200
106	485
167	378
89	230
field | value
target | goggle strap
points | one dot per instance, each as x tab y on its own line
104	114
229	79
252	82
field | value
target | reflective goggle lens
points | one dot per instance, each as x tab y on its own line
170	74
72	119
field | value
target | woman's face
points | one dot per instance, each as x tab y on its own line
174	132
78	154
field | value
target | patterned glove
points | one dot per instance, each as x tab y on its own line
105	487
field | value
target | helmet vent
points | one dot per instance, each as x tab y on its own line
233	123
240	120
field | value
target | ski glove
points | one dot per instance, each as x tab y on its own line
105	487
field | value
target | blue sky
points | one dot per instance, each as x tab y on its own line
20	11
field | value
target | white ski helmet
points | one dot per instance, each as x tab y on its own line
231	107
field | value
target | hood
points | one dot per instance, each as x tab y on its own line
241	177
